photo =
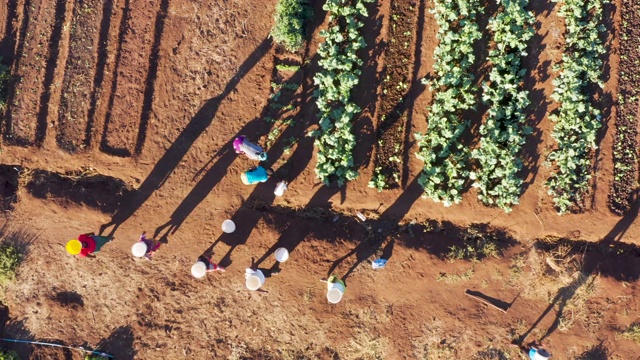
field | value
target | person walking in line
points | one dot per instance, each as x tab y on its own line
145	247
255	175
204	265
243	146
86	244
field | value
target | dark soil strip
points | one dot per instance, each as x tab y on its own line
79	75
147	103
8	186
397	77
49	77
100	192
30	69
121	127
100	68
625	148
9	36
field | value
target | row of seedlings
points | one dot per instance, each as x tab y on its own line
444	155
339	74
395	87
625	145
577	121
503	133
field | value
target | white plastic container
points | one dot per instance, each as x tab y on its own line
254	279
199	269
280	188
281	254
228	226
335	292
139	249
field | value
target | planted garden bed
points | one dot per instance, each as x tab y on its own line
625	145
396	82
340	71
503	133
79	74
445	157
578	119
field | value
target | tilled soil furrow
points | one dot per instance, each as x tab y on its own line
73	114
8	31
29	70
132	65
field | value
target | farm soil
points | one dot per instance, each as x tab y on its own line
214	72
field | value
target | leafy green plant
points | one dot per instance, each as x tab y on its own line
502	135
290	18
378	181
444	156
577	121
10	259
340	69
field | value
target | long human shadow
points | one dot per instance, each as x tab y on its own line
178	149
621	227
380	229
564	295
295	231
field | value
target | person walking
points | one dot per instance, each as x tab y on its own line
536	352
255	175
243	146
204	265
86	244
145	247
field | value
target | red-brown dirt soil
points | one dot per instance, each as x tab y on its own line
171	84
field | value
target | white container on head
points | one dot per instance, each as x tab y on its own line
541	354
199	269
281	254
335	291
228	226
280	188
139	249
254	279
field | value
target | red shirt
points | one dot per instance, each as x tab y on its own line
88	245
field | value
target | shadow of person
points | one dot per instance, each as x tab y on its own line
179	148
119	343
621	227
564	295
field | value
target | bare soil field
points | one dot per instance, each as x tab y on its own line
120	120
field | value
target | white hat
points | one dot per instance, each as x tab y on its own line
139	249
198	269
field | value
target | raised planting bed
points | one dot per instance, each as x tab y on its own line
133	60
77	88
625	145
445	157
25	124
397	75
578	119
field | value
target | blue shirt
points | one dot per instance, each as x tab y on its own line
257	175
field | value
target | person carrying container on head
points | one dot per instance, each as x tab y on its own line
537	353
86	244
255	175
145	247
204	265
253	151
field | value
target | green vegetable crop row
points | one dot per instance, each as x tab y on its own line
503	133
577	121
339	74
444	156
289	27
